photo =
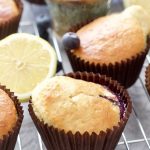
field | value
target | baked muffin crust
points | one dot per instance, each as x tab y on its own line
115	37
8	9
8	114
75	105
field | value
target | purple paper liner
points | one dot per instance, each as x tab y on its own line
55	139
147	78
39	2
9	141
11	26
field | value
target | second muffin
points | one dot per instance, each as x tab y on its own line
114	45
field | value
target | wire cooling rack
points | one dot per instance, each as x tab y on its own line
136	135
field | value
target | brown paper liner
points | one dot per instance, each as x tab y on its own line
11	26
55	139
125	72
9	141
147	78
39	2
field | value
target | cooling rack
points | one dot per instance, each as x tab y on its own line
136	135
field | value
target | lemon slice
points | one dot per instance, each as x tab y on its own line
25	60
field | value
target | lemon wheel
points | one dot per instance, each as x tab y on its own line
25	60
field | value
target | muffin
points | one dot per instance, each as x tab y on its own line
11	116
80	110
39	2
147	78
115	45
10	14
67	13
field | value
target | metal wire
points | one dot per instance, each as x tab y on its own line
141	128
56	46
125	141
19	142
133	141
40	142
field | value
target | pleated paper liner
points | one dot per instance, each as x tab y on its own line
125	72
78	26
39	2
55	139
11	25
9	141
147	78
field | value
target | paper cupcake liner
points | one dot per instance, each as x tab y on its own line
39	2
56	139
125	72
11	26
147	78
9	141
78	26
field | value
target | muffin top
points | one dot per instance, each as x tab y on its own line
75	105
8	114
8	9
115	37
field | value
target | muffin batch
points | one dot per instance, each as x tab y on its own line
86	109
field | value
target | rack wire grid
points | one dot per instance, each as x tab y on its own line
136	135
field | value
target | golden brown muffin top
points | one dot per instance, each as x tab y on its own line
75	105
115	37
8	9
8	114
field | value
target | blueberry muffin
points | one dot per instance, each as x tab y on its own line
67	13
115	45
11	116
73	108
147	78
10	14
